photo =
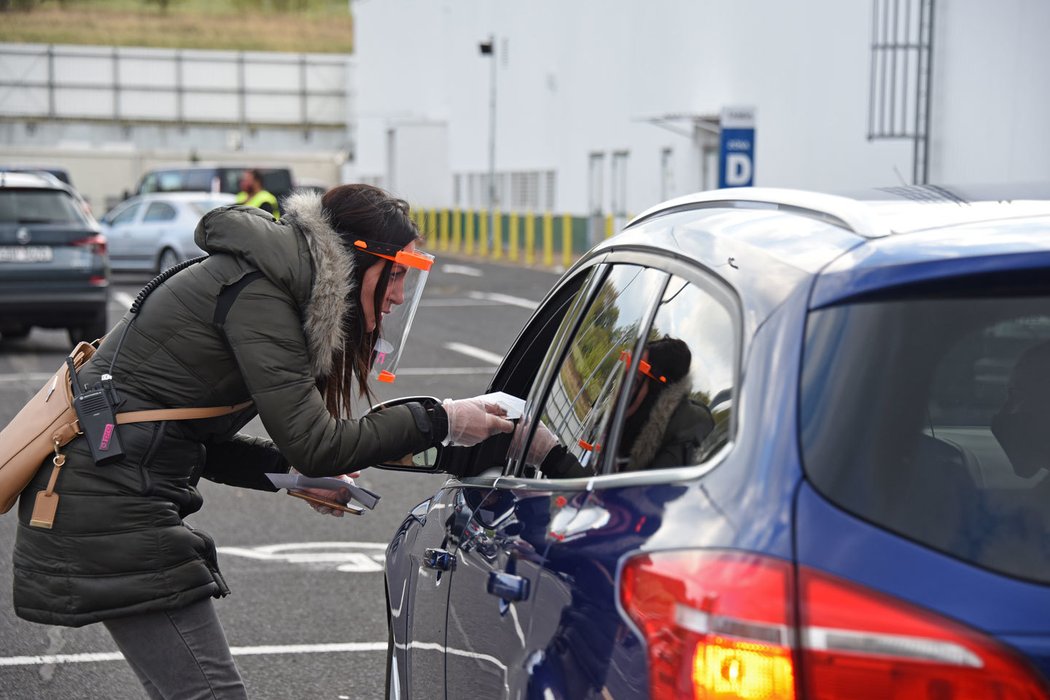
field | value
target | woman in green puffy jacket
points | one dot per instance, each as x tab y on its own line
284	314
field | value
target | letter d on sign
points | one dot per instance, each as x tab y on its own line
738	170
736	148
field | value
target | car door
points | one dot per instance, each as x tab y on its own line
424	552
148	237
502	556
537	615
668	410
119	232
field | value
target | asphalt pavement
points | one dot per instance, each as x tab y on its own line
307	616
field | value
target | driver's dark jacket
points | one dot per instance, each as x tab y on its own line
119	545
670	428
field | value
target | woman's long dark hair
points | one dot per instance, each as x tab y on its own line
368	213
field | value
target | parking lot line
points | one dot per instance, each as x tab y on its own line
345	647
123	298
476	353
504	299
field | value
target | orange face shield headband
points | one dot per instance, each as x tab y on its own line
643	367
404	290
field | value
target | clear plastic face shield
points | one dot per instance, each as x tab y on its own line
409	269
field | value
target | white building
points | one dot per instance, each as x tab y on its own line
613	105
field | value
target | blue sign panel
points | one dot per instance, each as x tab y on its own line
736	150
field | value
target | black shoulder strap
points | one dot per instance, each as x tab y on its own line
229	294
145	292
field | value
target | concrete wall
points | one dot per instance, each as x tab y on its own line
589	77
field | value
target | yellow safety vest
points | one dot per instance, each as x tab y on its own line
260	198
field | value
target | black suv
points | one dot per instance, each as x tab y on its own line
54	270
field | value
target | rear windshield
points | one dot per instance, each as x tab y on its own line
39	207
931	417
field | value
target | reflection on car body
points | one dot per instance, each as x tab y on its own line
861	505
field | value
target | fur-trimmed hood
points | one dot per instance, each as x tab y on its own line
330	305
651	436
317	275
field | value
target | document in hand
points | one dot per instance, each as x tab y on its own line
294	482
511	404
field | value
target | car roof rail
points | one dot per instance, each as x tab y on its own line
850	214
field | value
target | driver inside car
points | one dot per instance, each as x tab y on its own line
664	426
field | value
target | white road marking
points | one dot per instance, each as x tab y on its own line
476	353
462	270
451	303
343	647
40	377
353	562
123	298
504	299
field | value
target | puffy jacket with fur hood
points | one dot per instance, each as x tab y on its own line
119	545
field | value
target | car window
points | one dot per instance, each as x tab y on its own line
148	184
230	180
582	397
679	396
198	180
39	207
159	211
170	181
126	216
928	416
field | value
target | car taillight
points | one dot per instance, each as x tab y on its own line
717	624
724	625
860	644
96	243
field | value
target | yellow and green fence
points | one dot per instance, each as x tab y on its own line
527	237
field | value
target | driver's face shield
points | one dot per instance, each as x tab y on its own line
408	276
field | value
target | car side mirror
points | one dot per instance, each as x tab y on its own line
424	462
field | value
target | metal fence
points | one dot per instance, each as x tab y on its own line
174	87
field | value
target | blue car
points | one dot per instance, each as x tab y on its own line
771	444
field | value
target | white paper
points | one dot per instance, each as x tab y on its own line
514	406
330	483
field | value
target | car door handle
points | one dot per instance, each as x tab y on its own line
508	586
438	559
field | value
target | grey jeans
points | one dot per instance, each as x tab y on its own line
179	654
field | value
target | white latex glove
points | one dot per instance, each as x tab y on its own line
341	496
472	420
542	443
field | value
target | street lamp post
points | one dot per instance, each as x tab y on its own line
488	48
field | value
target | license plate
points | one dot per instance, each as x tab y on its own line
25	254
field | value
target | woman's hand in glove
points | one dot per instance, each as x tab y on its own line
543	441
472	420
341	496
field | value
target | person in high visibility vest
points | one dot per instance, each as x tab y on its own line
253	194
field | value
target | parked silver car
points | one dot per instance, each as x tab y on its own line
152	232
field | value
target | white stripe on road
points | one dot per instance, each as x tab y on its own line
38	377
123	298
461	270
504	299
237	651
438	303
476	353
